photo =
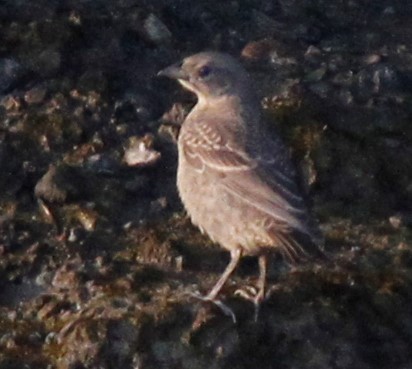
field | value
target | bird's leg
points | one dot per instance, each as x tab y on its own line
263	262
251	294
212	295
234	260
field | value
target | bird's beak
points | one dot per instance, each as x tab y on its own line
174	71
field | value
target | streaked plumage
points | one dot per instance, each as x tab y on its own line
237	183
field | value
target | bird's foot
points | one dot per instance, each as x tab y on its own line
253	295
222	306
273	290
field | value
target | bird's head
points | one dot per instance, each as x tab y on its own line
210	75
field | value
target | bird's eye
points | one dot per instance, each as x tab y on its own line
204	71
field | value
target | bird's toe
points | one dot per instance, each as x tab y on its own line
253	295
219	303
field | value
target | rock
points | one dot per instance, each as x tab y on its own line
343	78
138	185
283	62
395	221
102	164
372	59
158	205
316	75
313	54
87	218
377	78
140	152
321	88
169	133
10	73
399	220
155	31
35	95
10	103
176	115
264	25
134	106
47	63
345	97
92	80
49	189
59	184
258	50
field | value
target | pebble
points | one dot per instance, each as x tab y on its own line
264	25
140	152
48	188
35	95
395	221
156	31
372	59
316	75
87	218
47	62
258	50
10	103
10	73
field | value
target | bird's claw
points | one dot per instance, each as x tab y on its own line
247	292
272	290
251	294
222	306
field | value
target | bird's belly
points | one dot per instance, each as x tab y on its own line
226	219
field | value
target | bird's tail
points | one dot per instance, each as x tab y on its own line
298	247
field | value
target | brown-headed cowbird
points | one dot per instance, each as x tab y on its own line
237	182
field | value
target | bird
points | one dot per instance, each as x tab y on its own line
236	181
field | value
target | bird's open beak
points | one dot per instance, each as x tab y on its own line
174	71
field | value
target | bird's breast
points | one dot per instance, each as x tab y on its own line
223	217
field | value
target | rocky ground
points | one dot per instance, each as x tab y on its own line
97	258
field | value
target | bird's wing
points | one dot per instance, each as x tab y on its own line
266	183
208	146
